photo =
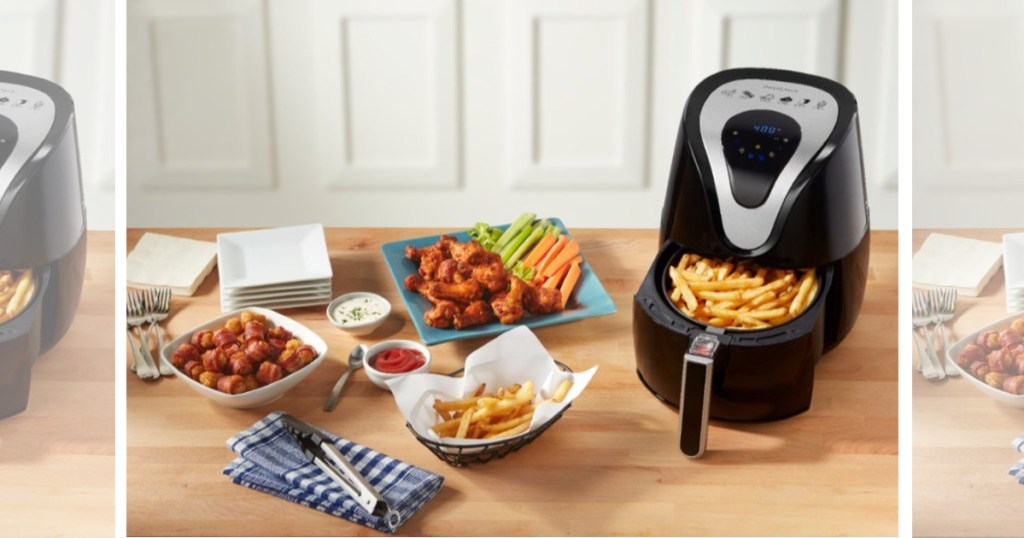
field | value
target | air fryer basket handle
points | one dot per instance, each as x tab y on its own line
695	396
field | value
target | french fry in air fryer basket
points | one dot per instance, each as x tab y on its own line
16	290
739	295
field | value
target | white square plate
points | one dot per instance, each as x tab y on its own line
1013	261
244	293
281	303
273	256
317	282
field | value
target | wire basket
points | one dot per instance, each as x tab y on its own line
461	456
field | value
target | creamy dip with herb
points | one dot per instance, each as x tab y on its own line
358	310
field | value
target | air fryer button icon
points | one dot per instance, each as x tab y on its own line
821	104
4	100
729	93
768	98
786	100
747	94
37	105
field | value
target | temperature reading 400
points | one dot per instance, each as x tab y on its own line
767	129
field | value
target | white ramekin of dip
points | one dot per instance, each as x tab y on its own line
359	312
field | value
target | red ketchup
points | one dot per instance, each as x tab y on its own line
397	360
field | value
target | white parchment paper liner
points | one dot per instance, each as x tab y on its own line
513	357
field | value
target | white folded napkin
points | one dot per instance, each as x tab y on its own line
172	262
957	262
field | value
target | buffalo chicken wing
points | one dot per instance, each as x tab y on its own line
469	286
509	306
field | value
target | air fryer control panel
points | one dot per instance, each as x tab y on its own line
759	135
757	145
26	117
8	138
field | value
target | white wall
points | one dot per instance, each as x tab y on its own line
445	112
968	113
71	42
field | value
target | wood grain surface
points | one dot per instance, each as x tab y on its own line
57	457
962	437
611	466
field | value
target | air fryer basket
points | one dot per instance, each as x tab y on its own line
761	374
19	347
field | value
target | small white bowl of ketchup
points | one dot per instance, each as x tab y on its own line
394	358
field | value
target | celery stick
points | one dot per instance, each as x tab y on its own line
511	247
530	242
513	230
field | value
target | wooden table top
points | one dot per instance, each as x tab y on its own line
962	437
611	466
57	457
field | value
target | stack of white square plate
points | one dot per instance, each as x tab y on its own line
275	268
1013	270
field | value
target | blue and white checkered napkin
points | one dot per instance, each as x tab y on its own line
1018	468
270	460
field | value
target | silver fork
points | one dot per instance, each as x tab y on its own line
943	302
136	314
158	307
922	318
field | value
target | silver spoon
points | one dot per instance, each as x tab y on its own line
355	362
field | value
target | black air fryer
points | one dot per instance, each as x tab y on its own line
767	168
42	227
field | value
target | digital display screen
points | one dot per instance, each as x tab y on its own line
766	128
8	138
757	145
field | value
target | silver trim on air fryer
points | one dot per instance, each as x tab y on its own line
33	111
813	108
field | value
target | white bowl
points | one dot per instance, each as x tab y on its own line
365	327
380	378
999	395
265	394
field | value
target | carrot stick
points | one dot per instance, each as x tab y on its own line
571	250
539	251
555	249
553	280
569	283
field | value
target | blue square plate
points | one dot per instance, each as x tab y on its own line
591	300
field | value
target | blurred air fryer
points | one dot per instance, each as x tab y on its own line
42	228
767	168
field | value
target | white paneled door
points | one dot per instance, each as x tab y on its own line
968	76
446	112
71	42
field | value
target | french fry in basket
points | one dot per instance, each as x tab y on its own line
506	412
562	391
